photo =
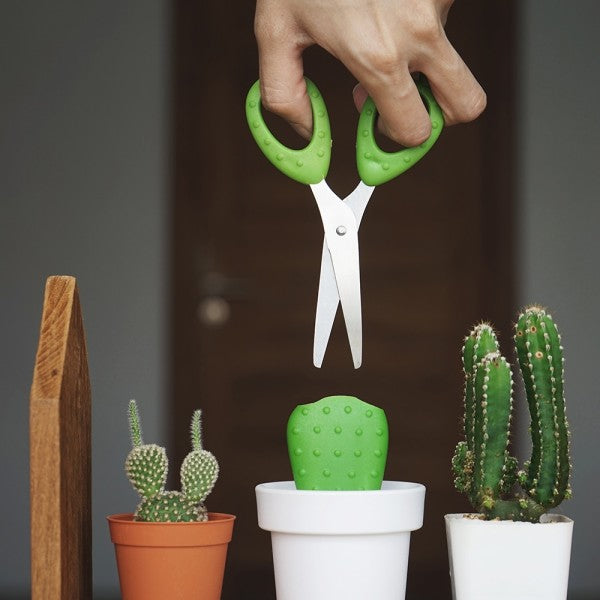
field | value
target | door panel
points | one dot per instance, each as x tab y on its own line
246	248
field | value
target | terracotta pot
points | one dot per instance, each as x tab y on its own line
178	561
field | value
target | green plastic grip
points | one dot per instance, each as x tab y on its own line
308	165
338	443
375	166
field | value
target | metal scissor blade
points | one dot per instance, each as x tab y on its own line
327	304
358	200
328	298
341	236
344	256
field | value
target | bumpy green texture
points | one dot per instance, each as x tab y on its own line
492	388
481	341
338	443
146	467
170	506
482	466
541	360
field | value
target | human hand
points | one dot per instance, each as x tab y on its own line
381	42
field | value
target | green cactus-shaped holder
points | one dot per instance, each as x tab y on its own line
482	465
338	443
146	468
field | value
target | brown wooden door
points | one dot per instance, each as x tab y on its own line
246	244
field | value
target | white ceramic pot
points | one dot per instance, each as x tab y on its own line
507	560
348	545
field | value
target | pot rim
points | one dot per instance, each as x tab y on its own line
124	531
396	508
547	519
213	517
387	488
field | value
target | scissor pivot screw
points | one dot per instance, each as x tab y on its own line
341	230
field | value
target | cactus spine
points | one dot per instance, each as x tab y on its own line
483	468
146	467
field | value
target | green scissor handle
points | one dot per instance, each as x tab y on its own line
309	165
376	166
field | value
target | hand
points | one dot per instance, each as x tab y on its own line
381	42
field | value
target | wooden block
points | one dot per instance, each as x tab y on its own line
60	451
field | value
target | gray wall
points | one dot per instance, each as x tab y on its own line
82	191
559	186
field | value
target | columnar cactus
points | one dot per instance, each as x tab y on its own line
483	467
146	468
338	443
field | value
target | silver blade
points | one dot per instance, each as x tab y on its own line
328	297
338	217
358	200
327	304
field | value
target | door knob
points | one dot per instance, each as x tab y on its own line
213	311
216	291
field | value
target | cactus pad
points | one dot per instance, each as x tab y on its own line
172	507
146	468
199	473
338	443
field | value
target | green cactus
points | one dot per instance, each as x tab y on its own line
146	467
492	390
478	343
541	360
338	443
482	466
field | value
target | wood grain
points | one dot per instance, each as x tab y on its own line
60	451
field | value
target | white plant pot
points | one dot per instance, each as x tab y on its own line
508	560
347	545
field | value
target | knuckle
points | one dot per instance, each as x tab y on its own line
275	100
260	26
269	29
473	107
280	101
411	137
382	61
426	25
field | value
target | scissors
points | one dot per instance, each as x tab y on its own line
339	281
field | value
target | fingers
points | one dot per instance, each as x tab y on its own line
456	90
360	95
403	116
282	86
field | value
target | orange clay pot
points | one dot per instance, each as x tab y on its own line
174	561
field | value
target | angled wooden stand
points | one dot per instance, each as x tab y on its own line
60	451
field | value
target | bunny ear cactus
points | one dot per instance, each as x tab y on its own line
483	468
146	468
